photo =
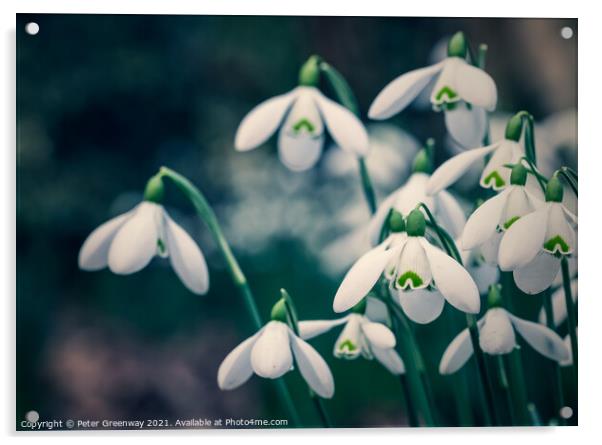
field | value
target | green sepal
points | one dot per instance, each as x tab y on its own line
514	127
154	190
309	74
554	190
279	312
396	222
457	45
494	297
518	175
422	163
415	223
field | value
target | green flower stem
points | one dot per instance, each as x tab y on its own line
414	363
322	413
570	310
410	410
529	125
481	62
345	96
505	385
558	394
205	212
541	179
535	419
571	178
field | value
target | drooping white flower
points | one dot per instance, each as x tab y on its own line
128	242
443	204
463	91
497	336
305	112
497	214
534	245
270	354
421	275
559	304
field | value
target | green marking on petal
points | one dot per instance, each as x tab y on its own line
161	248
511	221
347	346
303	123
556	244
448	93
496	178
410	279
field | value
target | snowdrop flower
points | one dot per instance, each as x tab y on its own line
534	245
463	91
495	174
496	215
305	112
421	275
360	336
270	354
128	242
412	193
481	264
559	304
497	336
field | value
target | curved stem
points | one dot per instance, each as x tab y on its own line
410	410
505	385
571	178
205	212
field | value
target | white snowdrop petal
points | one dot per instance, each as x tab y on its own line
135	243
484	276
497	335
569	360
271	356
495	175
401	91
262	121
236	368
312	328
313	368
94	253
560	236
378	334
543	340
482	224
413	270
390	359
421	306
452	169
376	310
452	280
186	258
475	86
559	304
345	128
349	344
299	153
450	213
361	278
466	125
456	354
523	240
538	275
518	204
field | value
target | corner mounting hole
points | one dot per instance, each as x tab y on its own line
566	33
32	28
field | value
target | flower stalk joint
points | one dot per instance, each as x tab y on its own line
154	190
415	224
554	190
422	162
514	127
518	176
457	46
396	222
309	75
494	297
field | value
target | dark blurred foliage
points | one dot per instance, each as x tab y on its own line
103	101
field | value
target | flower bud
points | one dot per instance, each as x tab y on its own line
514	127
457	46
154	190
422	163
396	222
518	175
415	223
494	297
554	190
309	75
279	312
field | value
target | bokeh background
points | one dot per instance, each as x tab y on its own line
103	101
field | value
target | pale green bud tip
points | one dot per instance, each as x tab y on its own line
457	46
514	127
422	163
494	297
396	222
415	224
359	308
309	75
154	190
554	190
518	175
279	312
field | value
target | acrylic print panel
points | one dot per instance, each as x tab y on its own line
285	222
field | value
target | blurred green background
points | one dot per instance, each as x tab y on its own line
104	100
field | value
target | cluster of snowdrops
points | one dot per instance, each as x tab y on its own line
426	251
